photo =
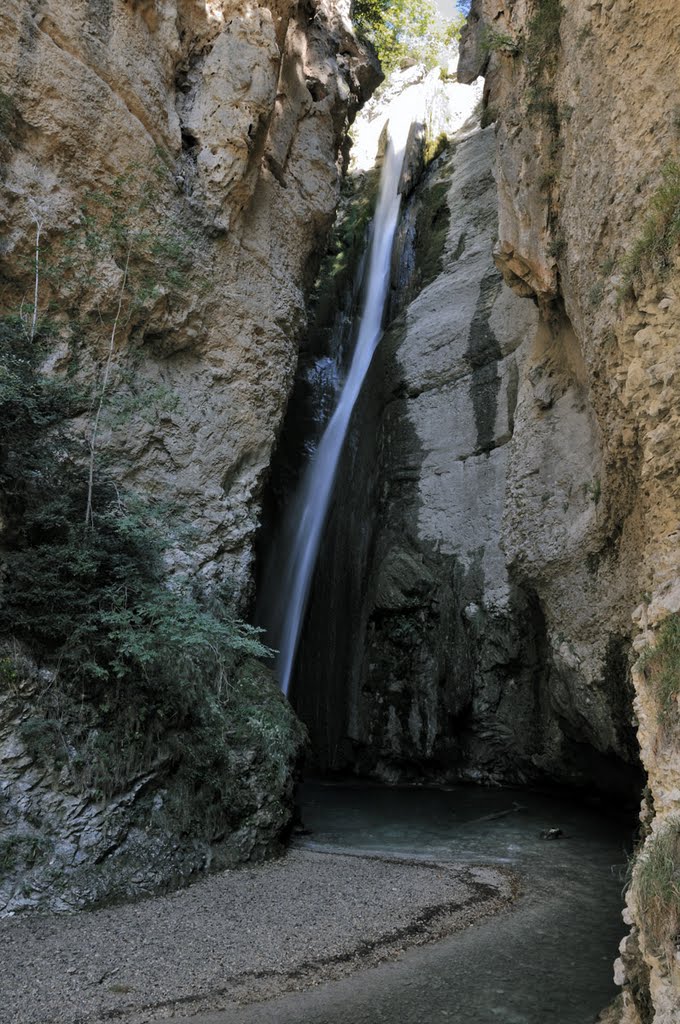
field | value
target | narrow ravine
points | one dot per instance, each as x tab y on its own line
426	432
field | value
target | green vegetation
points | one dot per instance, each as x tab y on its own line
405	30
346	243
9	130
596	294
541	47
654	250
434	147
662	669
119	675
110	228
585	33
7	113
489	115
139	672
21	850
593	490
656	888
145	400
125	237
557	247
433	219
541	50
493	41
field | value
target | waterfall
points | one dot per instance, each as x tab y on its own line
309	508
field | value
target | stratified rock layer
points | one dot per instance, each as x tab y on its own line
220	126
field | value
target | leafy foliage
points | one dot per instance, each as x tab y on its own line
493	41
156	670
434	147
405	30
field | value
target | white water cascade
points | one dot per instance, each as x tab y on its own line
310	505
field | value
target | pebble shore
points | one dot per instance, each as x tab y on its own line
236	936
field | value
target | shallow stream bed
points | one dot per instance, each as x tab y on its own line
547	961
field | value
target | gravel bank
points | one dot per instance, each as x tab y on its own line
237	936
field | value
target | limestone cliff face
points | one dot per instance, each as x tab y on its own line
584	97
212	132
169	170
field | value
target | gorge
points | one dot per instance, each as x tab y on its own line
496	598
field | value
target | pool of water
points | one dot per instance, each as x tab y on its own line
468	823
548	961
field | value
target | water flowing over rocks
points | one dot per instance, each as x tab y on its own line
497	590
513	466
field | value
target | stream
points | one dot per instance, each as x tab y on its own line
548	961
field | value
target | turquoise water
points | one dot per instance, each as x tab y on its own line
549	961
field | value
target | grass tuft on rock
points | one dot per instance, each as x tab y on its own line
656	889
653	252
662	669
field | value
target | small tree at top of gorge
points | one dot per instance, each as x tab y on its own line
405	30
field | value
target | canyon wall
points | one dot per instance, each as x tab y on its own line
169	170
211	134
474	432
584	98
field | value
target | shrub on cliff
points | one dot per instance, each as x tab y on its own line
149	672
662	669
653	251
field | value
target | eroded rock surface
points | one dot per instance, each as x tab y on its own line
475	468
216	130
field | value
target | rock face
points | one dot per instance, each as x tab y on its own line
515	459
486	454
64	846
170	170
586	139
210	134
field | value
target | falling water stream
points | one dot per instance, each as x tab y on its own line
310	506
